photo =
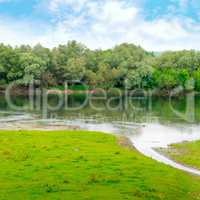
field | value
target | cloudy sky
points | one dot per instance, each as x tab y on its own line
154	24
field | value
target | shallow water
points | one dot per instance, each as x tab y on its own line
148	124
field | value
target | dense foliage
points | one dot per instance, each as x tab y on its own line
125	65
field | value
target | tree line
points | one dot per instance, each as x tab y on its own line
125	65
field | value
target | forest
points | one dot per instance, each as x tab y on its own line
124	66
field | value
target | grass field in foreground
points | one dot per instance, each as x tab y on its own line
79	165
187	153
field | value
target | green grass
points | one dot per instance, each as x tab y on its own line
80	165
187	153
72	87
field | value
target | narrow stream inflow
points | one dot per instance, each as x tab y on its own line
161	158
148	137
153	136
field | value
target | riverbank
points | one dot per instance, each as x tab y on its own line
186	153
85	165
116	92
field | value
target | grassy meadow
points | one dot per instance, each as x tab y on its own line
80	165
187	153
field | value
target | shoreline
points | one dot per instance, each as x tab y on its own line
117	92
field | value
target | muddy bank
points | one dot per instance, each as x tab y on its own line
31	126
24	91
15	90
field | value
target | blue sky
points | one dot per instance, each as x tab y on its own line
154	24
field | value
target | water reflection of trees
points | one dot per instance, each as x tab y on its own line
134	109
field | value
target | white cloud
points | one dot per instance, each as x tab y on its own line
23	32
103	24
183	4
55	5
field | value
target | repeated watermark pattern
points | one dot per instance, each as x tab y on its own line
39	99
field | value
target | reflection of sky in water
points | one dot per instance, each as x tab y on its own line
157	135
